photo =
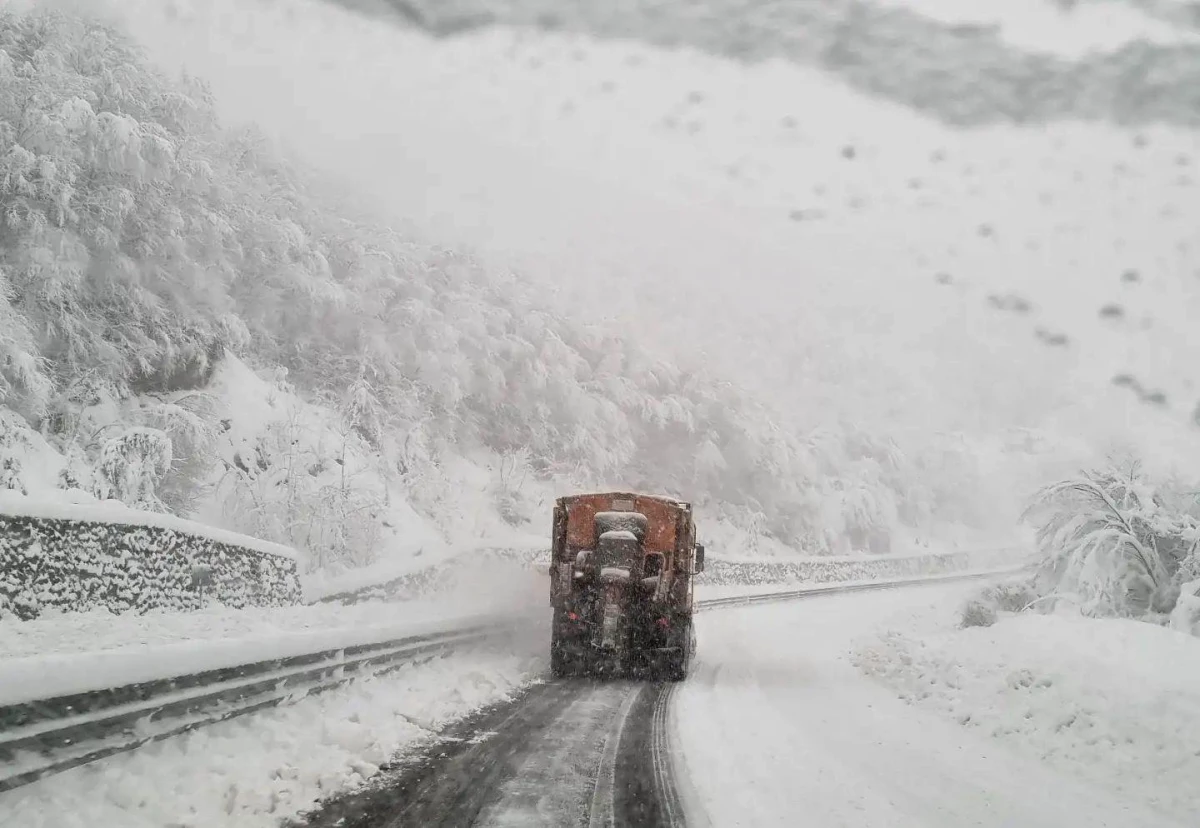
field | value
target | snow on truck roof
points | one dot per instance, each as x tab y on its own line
618	516
619	534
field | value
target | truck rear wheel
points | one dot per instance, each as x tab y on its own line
565	658
675	665
561	664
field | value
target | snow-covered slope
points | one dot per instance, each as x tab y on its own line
867	272
400	371
1035	722
845	256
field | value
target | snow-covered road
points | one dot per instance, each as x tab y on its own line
777	727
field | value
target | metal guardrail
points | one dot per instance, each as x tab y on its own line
830	589
39	738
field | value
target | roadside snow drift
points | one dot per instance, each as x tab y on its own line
253	771
776	726
1113	701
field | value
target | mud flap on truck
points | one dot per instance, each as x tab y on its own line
673	662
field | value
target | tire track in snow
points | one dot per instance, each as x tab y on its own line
645	793
603	812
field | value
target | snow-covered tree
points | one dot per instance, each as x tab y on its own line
76	472
1111	540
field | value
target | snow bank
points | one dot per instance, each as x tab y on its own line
1114	701
258	769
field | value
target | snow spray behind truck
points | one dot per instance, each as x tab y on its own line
621	585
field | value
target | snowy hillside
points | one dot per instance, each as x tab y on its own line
150	247
1051	261
849	321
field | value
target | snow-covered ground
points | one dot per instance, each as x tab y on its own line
777	724
268	766
1037	721
1031	288
1113	701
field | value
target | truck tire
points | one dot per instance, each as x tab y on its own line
565	659
560	662
675	666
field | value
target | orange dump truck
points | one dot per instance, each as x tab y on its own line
621	585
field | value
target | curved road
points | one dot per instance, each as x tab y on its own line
774	726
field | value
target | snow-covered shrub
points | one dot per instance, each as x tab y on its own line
977	613
1186	615
24	386
187	423
12	443
512	475
1013	595
301	488
1114	541
76	474
1010	595
131	466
